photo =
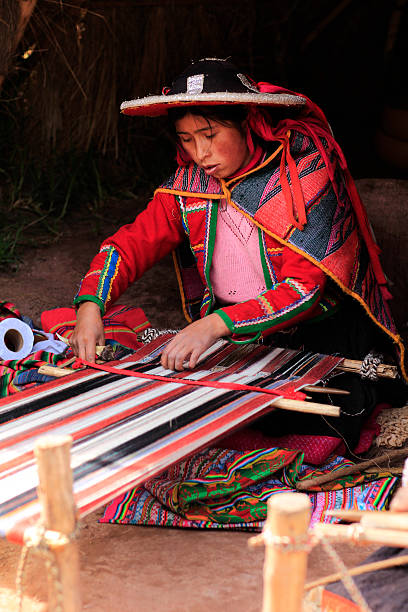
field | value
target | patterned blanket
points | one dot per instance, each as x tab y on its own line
227	489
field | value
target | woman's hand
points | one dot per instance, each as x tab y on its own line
88	331
192	341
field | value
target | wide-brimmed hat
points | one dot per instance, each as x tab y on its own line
209	81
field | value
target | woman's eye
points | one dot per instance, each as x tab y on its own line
210	136
185	140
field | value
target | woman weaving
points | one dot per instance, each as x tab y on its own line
271	239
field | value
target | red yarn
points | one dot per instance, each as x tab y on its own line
217	384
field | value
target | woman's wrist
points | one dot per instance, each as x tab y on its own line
219	325
88	305
88	309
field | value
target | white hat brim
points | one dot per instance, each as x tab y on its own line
151	106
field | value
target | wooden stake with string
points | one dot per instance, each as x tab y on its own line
56	531
285	537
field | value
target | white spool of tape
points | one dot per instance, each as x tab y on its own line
16	339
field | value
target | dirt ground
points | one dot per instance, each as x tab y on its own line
128	568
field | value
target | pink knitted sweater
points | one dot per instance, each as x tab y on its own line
236	271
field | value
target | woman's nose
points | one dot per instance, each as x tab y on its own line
202	150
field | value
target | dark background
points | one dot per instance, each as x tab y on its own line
79	60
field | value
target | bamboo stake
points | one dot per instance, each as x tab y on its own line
360	535
360	569
384	370
58	515
287	521
304	485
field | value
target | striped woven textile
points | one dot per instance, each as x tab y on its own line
126	430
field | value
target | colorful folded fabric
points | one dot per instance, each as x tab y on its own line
227	489
121	323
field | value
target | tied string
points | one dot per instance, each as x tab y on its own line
294	395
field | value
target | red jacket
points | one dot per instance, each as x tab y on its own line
294	285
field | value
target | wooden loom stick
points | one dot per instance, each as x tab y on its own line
285	535
304	485
55	371
331	390
308	407
362	535
351	516
371	518
394	470
58	517
384	370
357	571
347	365
386	520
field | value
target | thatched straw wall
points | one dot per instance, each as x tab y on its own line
88	57
83	57
9	19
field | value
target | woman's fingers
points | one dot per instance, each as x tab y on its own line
89	350
194	357
174	356
84	348
192	341
179	361
88	331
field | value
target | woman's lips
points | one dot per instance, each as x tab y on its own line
210	169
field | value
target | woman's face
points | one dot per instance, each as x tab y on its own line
221	150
